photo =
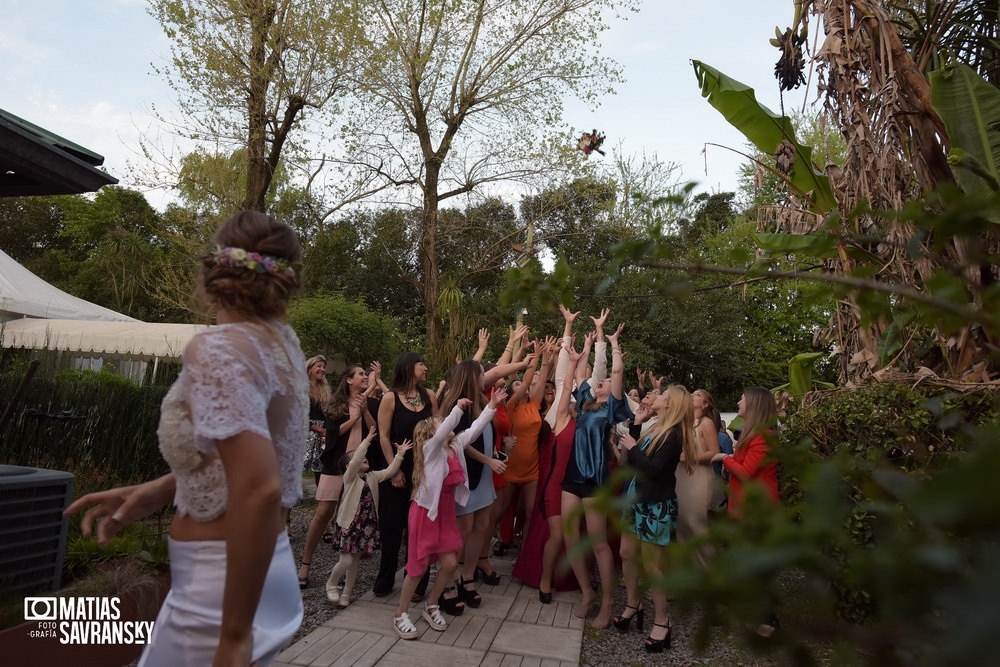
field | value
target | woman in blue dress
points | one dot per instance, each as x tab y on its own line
588	469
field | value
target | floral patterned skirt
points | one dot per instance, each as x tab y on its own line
652	522
314	447
362	537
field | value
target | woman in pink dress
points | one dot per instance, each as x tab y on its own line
440	480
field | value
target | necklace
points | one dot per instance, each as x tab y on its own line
414	401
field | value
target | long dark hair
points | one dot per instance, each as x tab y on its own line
465	380
404	377
339	404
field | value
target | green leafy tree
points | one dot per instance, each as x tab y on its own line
114	247
31	226
249	73
454	96
329	324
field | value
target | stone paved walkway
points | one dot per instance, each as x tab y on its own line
511	628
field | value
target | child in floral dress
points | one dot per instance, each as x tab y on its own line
356	532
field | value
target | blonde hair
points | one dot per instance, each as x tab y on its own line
761	413
319	390
422	432
680	415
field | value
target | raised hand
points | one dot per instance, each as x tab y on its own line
463	403
499	395
484	338
567	315
574	356
600	320
613	338
405	446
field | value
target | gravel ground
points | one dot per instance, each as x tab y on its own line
318	609
600	647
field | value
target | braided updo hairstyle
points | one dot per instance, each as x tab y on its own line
261	296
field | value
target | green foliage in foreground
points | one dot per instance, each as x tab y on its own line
880	554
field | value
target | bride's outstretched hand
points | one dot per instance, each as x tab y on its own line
115	508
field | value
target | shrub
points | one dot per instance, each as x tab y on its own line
85	422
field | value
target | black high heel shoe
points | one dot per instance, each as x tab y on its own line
472	597
454	606
491	578
623	622
303	581
543	597
657	645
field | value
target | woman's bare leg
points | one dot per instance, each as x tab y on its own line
597	531
652	561
571	534
474	545
550	553
629	551
325	510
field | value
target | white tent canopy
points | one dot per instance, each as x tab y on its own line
22	293
129	340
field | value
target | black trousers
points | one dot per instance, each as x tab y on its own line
393	515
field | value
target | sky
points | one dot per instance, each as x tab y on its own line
84	69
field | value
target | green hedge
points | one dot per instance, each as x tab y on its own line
92	424
864	433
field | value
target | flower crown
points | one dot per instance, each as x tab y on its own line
254	261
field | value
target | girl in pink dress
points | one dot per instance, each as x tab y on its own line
440	480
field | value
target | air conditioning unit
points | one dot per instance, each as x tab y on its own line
32	529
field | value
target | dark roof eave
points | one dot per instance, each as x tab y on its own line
40	168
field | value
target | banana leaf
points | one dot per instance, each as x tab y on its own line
970	109
800	373
765	130
812	245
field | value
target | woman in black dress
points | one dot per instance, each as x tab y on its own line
405	405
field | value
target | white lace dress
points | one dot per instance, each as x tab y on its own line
236	377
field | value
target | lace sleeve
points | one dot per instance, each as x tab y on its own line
227	387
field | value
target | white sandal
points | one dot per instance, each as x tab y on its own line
432	614
404	626
332	591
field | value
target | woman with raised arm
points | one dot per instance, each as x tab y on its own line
469	381
588	470
405	405
523	409
543	545
232	429
347	424
504	522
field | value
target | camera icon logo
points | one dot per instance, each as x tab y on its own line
40	609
